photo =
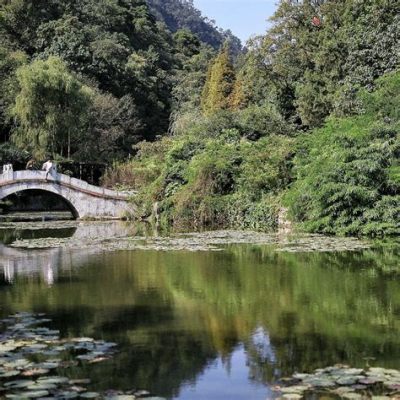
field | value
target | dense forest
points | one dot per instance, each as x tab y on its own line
88	79
306	118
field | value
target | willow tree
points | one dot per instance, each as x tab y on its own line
219	85
50	109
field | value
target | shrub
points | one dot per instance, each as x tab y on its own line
346	171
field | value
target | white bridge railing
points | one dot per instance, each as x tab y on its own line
13	177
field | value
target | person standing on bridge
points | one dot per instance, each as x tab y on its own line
7	167
50	167
30	165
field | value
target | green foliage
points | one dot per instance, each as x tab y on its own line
9	153
302	65
193	60
253	122
346	179
204	176
116	48
110	130
10	61
51	108
219	85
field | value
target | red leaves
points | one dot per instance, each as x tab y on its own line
316	22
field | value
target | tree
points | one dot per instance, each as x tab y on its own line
50	109
9	62
219	85
316	48
238	99
187	44
111	128
101	41
190	77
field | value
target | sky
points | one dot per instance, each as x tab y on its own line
243	17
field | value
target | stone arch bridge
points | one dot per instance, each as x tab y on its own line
84	200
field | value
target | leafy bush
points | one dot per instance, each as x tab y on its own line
214	173
253	123
346	171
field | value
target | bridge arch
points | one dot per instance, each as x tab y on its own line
68	205
85	200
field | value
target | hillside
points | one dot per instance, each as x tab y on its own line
304	123
182	14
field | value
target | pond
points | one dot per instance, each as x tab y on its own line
207	316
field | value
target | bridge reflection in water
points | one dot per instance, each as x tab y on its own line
15	262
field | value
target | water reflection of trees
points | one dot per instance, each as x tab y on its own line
174	313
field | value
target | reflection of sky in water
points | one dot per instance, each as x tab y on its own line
262	343
227	380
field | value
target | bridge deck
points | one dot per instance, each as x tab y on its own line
14	177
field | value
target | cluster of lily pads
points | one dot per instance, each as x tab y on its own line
207	241
32	358
341	381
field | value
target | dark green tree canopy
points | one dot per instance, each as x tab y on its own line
114	45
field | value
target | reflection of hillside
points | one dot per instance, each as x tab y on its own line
311	309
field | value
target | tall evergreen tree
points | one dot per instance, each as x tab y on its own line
219	85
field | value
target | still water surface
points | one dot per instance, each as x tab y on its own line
210	325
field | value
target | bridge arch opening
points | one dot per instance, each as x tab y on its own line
38	200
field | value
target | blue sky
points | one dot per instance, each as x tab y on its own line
243	17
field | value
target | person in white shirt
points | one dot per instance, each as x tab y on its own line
7	168
50	167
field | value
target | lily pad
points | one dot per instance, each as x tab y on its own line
57	380
90	395
395	387
35	372
346	381
353	371
300	376
42	386
67	395
121	397
35	394
158	398
20	363
48	365
342	390
294	389
9	374
380	398
323	383
368	381
142	393
19	384
352	396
